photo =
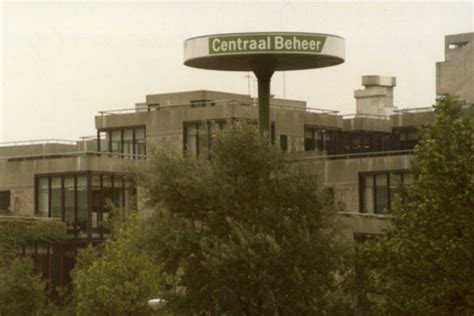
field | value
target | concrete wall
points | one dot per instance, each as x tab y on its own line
18	176
412	118
364	224
343	175
36	149
165	126
360	123
455	75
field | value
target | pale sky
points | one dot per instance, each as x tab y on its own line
62	62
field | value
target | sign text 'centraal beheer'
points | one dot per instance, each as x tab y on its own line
266	43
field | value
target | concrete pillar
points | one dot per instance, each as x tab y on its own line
377	96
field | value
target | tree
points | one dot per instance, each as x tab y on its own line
22	291
246	232
424	265
118	279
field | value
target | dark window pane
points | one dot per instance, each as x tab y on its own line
116	141
203	134
368	194
309	141
284	143
96	205
4	201
69	201
128	143
381	190
130	196
56	196
191	139
43	198
82	206
140	148
118	191
395	182
103	141
106	198
412	134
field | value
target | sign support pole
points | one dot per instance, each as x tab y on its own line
264	80
263	70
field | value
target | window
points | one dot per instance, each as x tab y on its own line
202	103
378	190
405	137
80	200
365	141
321	139
128	143
4	202
197	137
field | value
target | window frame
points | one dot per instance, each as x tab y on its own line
333	132
373	175
88	174
400	137
109	132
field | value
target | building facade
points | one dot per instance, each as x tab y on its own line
362	157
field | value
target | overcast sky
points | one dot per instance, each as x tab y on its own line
62	62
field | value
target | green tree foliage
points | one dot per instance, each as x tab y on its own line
118	279
16	232
246	232
22	291
424	265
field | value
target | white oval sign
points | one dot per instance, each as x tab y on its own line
288	51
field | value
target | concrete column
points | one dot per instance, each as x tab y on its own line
377	96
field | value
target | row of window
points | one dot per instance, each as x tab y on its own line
198	136
80	200
53	261
377	190
128	142
335	141
197	139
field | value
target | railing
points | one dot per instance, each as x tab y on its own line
306	109
89	138
38	142
29	218
427	109
142	157
361	115
152	108
357	155
415	110
74	154
369	215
